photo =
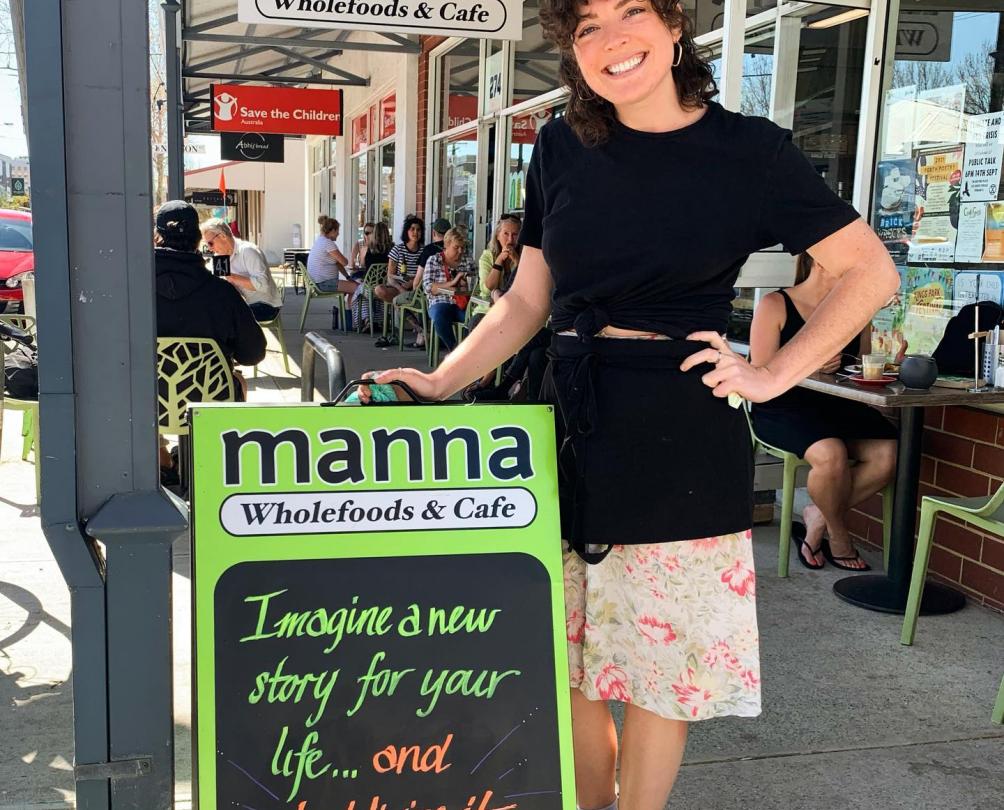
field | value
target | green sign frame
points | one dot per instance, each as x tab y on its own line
396	507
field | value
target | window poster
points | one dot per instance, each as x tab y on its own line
887	324
939	116
971	287
378	606
927	305
994	233
939	177
981	174
969	240
894	203
899	117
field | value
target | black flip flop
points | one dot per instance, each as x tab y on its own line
798	532
836	561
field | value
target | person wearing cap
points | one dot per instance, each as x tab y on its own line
249	272
191	301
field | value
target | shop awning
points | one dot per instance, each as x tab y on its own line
216	48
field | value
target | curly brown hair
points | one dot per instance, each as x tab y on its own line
591	117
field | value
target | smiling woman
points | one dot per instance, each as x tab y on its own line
655	466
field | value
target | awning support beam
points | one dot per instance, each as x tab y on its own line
301	42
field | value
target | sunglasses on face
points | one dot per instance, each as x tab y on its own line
367	233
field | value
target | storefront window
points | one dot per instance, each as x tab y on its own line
387	184
459	83
522	136
937	204
707	15
457	181
359	168
758	72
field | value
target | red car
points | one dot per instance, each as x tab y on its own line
16	254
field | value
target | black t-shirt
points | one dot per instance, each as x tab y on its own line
428	252
648	231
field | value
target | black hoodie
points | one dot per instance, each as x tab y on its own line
192	302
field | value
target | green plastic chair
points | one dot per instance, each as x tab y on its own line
420	309
276	326
27	407
986	513
313	292
791	464
189	370
374	277
459	330
998	714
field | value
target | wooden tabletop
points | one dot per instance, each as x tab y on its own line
896	395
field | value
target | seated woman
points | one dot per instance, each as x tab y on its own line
447	283
402	273
497	265
826	431
378	243
249	271
326	264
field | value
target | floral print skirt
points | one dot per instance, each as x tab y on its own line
669	627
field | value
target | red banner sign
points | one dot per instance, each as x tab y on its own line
388	116
278	110
360	132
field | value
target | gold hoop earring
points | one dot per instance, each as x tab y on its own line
677	54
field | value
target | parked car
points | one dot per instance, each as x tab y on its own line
16	255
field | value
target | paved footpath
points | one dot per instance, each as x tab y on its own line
851	719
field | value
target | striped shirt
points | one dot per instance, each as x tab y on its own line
407	260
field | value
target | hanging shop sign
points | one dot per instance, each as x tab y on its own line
212	198
378	609
278	110
478	19
925	36
252	146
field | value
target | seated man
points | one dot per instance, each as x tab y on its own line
192	302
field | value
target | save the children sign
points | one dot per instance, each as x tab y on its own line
378	609
247	109
479	19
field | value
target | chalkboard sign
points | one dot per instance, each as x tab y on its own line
378	609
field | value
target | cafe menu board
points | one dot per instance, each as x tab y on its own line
378	609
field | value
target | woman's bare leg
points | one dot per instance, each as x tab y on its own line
829	487
594	739
876	465
651	752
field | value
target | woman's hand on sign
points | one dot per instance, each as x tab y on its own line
420	382
732	374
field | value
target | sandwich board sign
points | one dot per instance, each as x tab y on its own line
378	609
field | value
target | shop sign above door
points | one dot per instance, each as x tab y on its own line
252	146
478	19
278	110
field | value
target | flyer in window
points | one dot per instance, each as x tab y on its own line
939	178
939	115
900	104
981	174
969	241
927	305
994	233
887	324
894	203
973	287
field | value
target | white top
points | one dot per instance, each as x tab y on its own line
248	260
320	265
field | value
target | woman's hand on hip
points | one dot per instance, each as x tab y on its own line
732	373
423	384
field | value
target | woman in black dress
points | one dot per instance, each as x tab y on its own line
825	431
659	592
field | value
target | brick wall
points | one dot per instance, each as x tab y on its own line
428	43
963	456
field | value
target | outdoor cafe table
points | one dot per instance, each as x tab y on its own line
887	592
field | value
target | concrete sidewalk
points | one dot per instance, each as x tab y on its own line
851	719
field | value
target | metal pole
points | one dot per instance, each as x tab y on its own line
174	108
87	70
